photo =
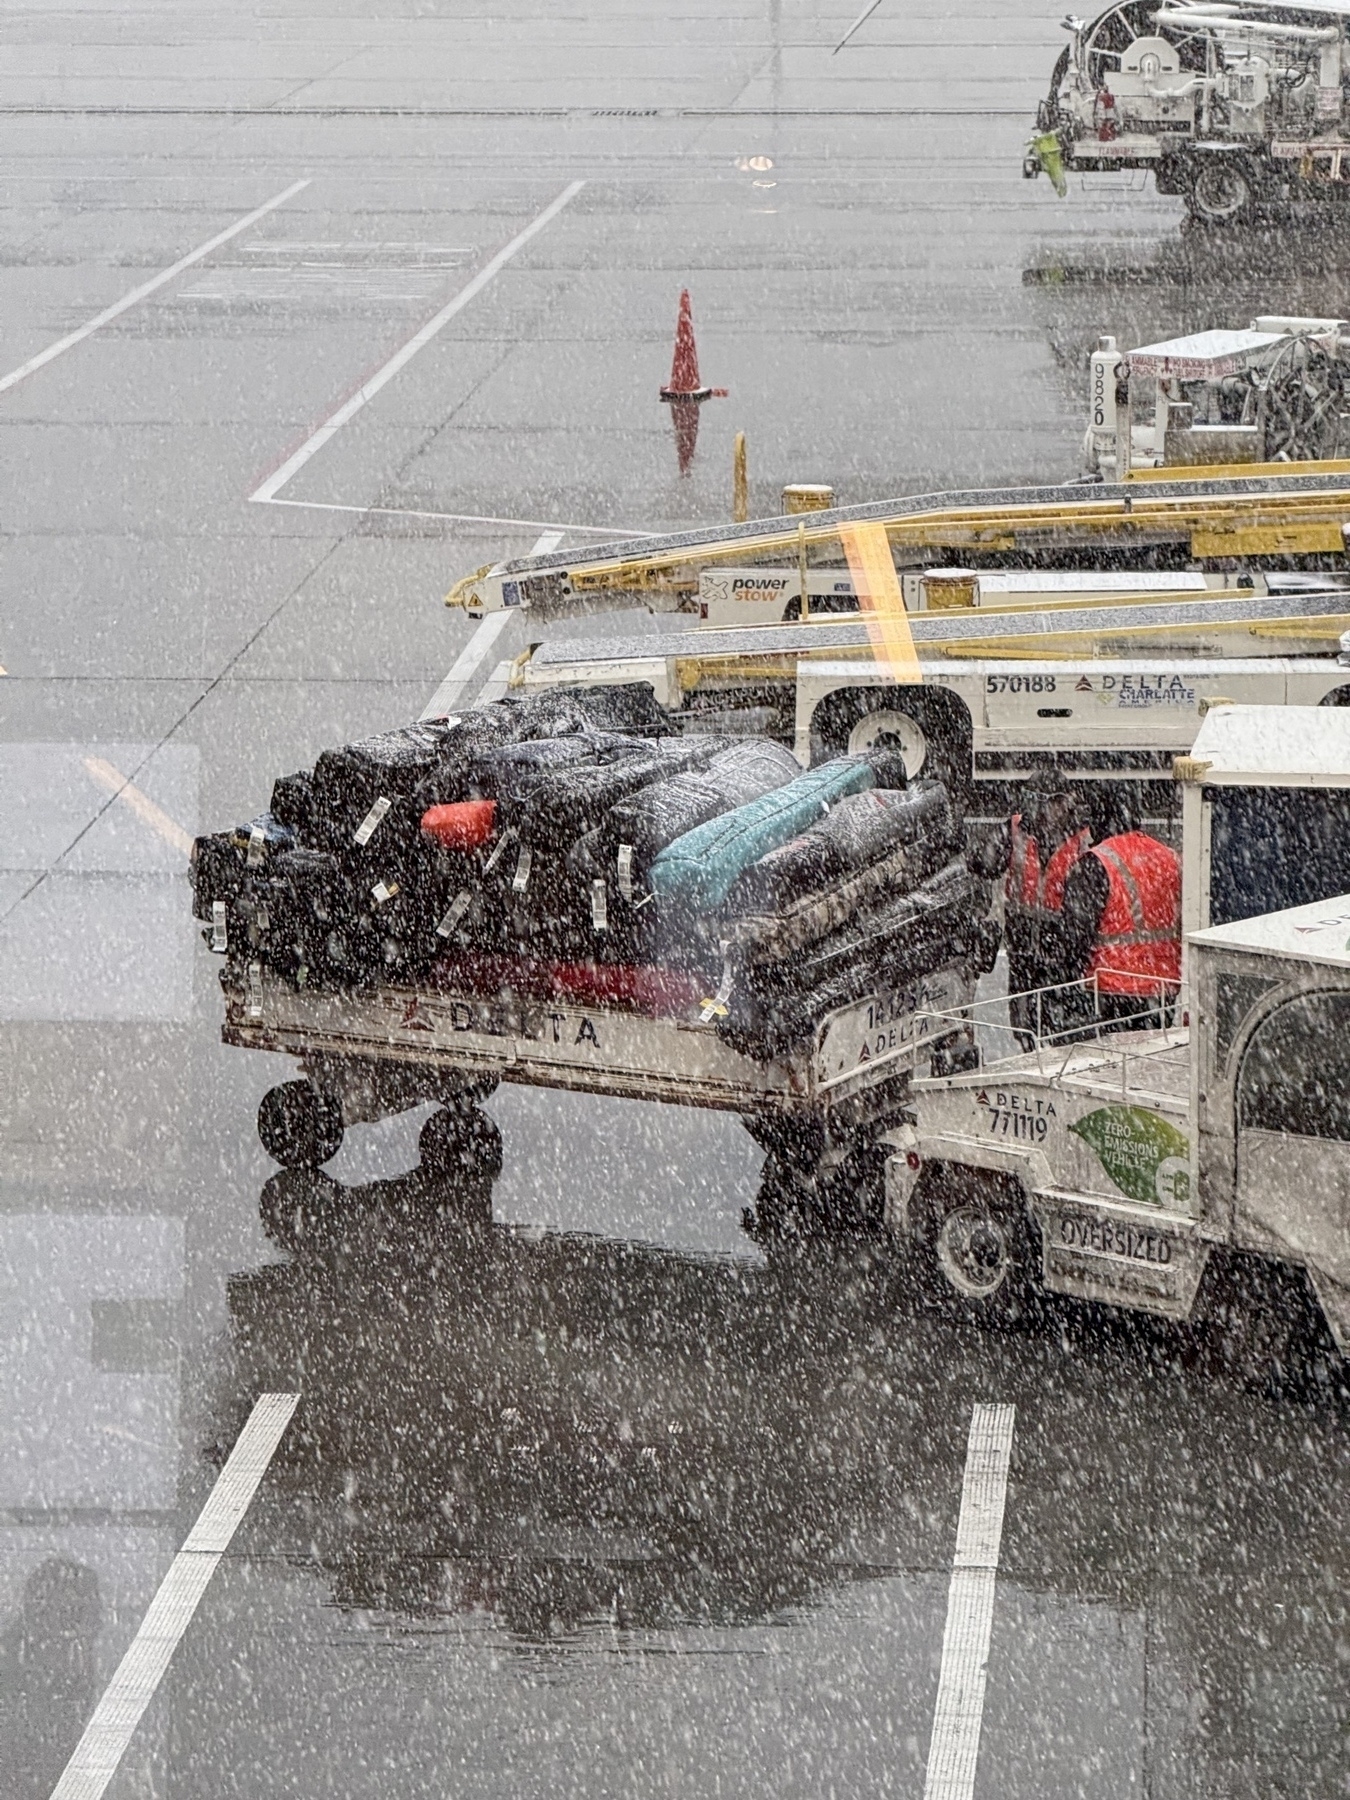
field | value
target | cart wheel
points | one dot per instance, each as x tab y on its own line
974	1245
298	1207
300	1127
459	1141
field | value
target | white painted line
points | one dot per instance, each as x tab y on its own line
861	20
468	663
409	512
498	686
547	543
955	1745
148	287
419	340
141	1670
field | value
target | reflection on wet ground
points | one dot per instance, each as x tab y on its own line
1146	288
601	1446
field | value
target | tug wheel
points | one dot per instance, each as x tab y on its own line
932	725
973	1244
300	1126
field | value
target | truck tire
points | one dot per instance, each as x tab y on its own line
974	1247
933	727
299	1125
1223	191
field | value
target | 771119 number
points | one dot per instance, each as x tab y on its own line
1019	684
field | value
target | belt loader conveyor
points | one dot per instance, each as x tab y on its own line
1103	692
1221	518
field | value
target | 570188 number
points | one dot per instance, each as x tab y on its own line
1019	684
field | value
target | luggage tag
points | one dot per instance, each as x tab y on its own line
454	913
255	997
500	850
365	831
717	1006
257	848
626	872
521	879
383	891
599	905
220	937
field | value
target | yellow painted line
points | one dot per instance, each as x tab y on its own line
877	586
122	788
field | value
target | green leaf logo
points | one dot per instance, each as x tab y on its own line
1144	1154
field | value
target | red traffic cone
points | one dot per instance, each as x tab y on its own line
685	395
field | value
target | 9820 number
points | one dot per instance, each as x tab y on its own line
1019	684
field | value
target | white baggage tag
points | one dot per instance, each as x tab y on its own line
219	929
454	913
499	852
257	848
382	891
521	879
599	905
365	831
718	1004
626	871
255	997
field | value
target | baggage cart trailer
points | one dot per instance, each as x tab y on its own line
822	1110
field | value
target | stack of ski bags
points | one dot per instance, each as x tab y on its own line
578	827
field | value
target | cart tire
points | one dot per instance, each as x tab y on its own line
933	727
460	1142
299	1125
974	1246
298	1208
1223	191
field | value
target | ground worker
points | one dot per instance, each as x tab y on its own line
1038	848
1120	926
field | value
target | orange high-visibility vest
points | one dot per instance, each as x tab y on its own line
1138	948
1031	889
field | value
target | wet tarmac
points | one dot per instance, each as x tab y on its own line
594	1498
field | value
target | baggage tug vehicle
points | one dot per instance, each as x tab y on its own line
1119	1168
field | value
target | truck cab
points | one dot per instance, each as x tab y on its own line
1232	105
